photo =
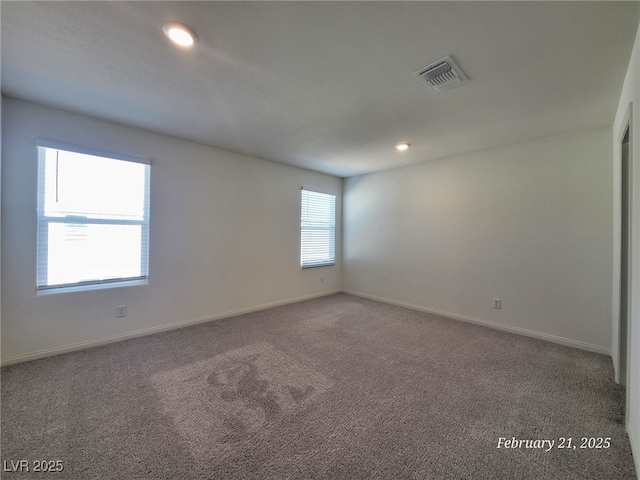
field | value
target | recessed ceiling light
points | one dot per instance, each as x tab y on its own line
179	34
402	146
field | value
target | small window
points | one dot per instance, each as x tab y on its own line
93	220
318	229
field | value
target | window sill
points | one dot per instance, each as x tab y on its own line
90	287
319	265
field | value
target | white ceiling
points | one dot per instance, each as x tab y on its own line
328	86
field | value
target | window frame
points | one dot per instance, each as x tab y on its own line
43	222
331	260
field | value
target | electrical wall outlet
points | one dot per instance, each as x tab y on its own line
321	278
122	311
497	303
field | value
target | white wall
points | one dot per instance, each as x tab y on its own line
528	223
224	236
630	96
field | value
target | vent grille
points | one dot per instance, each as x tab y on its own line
442	75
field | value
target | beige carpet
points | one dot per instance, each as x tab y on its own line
332	388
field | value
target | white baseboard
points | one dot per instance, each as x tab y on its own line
184	323
499	326
149	331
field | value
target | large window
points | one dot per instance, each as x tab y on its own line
93	219
318	229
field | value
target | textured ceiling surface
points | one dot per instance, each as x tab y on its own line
328	86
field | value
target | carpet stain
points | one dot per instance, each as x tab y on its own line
235	396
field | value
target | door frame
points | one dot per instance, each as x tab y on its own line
625	125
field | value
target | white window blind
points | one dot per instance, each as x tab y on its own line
318	229
93	219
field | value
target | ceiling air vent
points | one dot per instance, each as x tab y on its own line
442	75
